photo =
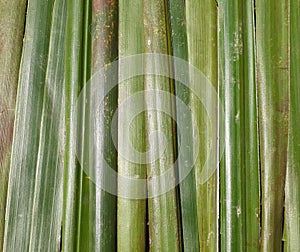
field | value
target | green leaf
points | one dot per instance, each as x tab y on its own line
203	54
131	212
34	196
272	29
249	144
187	188
231	81
164	233
73	174
104	51
86	222
12	15
292	189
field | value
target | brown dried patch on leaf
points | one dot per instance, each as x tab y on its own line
1	44
6	133
101	5
104	31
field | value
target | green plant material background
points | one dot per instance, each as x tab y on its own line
12	16
249	50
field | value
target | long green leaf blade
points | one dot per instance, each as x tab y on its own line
73	174
292	193
104	51
163	213
48	197
230	81
188	197
251	192
272	28
12	16
131	212
86	223
34	199
202	45
27	125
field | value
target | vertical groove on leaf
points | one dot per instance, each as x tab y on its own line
131	212
230	81
24	173
187	188
12	16
292	195
163	216
272	28
202	44
104	51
